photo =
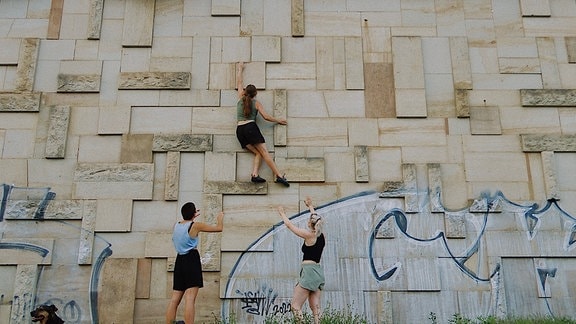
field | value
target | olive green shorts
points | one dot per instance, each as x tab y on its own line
311	277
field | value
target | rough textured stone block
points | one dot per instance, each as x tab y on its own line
139	24
435	187
280	111
117	290
455	225
86	245
26	69
24	293
411	188
548	97
462	104
114	181
57	132
379	93
550	178
302	169
485	120
95	18
154	80
136	148
361	163
235	188
297	15
211	243
548	142
78	83
172	175
182	143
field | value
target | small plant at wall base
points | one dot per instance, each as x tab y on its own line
329	316
459	319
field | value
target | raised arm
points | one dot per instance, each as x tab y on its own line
308	203
295	229
268	117
239	80
198	227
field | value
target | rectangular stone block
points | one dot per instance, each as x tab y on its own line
361	163
25	284
519	65
210	243
548	97
435	187
113	190
26	69
114	172
182	143
114	120
324	63
549	63
411	103
379	97
9	51
571	48
55	19
225	8
461	102
117	290
235	188
136	148
550	175
354	63
319	132
302	169
485	120
57	132
95	18
138	23
86	244
113	215
455	225
143	278
535	8
154	80
158	245
266	49
280	107
548	142
172	176
408	63
297	15
78	83
26	251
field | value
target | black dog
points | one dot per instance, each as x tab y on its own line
46	314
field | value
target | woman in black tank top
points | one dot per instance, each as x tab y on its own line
311	279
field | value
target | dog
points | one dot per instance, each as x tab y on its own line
46	314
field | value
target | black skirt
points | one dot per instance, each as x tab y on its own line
188	271
249	134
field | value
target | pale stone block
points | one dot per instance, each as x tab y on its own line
537	181
254	73
118	290
440	95
361	163
27	251
136	148
266	49
12	170
205	98
277	21
100	149
78	83
113	215
408	63
159	245
548	63
345	103
531	121
508	20
436	55
172	47
411	103
214	120
242	238
225	7
252	18
182	143
154	80
485	120
302	169
171	184
18	143
571	48
20	102
24	292
319	132
568	75
486	144
298	50
410	132
298	19
324	63
461	66
114	120
235	49
354	63
200	62
362	131
280	107
57	132
113	190
450	18
483	59
135	59
222	76
26	69
86	50
535	8
95	18
9	51
519	65
476	167
156	120
86	244
220	166
139	24
506	81
548	142
551	26
210	27
517	47
331	23
567	120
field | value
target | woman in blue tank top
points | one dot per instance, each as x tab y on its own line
188	269
311	281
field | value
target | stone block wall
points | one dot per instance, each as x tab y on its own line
438	139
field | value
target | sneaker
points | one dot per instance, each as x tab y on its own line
257	179
282	180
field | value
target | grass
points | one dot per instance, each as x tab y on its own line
459	319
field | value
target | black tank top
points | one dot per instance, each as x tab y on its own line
314	252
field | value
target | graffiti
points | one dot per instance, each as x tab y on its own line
24	201
69	311
262	302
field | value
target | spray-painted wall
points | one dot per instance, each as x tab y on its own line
437	138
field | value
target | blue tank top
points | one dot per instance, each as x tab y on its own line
183	243
240	111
